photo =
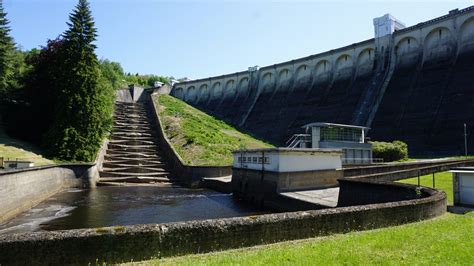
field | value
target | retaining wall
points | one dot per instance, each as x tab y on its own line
365	170
398	172
140	242
22	189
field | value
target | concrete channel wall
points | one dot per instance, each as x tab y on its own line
24	188
398	171
140	242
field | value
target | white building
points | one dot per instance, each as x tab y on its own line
348	138
463	186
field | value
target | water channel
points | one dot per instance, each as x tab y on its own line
112	206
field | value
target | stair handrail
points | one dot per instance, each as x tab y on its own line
297	139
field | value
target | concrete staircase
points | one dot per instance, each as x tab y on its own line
133	154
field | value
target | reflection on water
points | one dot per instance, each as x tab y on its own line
110	206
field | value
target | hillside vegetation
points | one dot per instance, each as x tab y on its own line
199	138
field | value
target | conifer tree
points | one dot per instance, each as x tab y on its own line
7	48
85	100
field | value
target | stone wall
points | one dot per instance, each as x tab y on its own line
140	242
22	189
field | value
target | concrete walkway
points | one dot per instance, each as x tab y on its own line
325	197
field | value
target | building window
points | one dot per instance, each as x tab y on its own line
266	160
341	134
255	159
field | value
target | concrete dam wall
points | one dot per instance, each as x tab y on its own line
413	84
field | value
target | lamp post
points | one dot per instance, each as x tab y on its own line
465	140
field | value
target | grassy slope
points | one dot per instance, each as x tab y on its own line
443	181
13	148
444	240
198	138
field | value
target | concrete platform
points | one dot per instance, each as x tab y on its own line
325	197
220	184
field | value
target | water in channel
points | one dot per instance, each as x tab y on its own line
112	206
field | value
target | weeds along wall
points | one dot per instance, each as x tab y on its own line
412	85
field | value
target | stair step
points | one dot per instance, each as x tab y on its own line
131	134
132	142
125	163
135	179
114	182
134	169
143	138
142	131
130	174
131	122
132	127
130	157
150	152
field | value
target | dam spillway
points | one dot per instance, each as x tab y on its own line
412	84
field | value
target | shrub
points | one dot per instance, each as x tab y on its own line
390	151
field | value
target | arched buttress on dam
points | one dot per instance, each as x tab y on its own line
413	84
430	95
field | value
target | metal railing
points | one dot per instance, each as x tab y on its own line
298	141
346	161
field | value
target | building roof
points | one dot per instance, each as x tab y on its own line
462	170
325	124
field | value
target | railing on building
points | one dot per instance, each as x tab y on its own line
299	141
347	161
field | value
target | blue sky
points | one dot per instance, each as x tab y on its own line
198	39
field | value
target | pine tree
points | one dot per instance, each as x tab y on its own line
7	48
85	100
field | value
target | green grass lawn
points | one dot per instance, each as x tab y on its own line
14	148
445	240
443	181
201	139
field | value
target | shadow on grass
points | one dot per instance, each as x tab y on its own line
10	144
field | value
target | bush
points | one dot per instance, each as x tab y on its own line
390	151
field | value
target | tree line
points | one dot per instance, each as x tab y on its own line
61	96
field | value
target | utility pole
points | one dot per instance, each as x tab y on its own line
465	140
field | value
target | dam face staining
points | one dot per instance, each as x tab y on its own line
410	84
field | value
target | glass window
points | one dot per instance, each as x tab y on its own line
341	134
